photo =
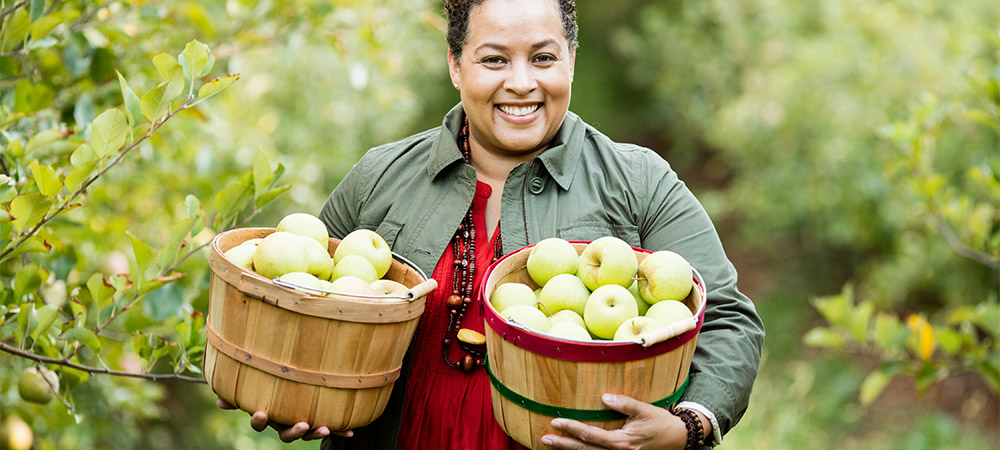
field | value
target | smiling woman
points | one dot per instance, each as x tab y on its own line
508	167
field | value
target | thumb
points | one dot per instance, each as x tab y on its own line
626	405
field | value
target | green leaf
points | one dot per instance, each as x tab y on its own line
143	255
262	173
108	132
101	292
27	280
196	60
824	338
217	85
33	244
154	104
46	179
178	233
84	154
84	336
194	211
42	27
164	303
888	332
172	74
30	97
15	28
874	384
836	308
269	196
46	317
232	198
183	334
78	175
948	339
37	8
84	110
28	209
133	108
158	282
42	139
860	318
27	318
79	311
7	189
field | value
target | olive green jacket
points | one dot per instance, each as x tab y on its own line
415	192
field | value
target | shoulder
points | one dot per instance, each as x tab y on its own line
634	162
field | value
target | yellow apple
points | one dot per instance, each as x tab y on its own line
304	224
369	245
279	253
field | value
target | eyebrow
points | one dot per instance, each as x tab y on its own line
504	48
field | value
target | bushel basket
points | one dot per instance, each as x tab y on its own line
535	378
325	360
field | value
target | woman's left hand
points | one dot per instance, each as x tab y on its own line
647	427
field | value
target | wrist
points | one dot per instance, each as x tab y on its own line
698	427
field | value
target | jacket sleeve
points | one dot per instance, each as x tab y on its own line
342	208
727	358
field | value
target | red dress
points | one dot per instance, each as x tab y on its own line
446	407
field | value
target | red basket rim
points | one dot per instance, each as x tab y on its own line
595	351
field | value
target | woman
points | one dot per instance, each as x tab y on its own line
511	166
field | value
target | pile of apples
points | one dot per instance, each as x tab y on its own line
601	293
298	253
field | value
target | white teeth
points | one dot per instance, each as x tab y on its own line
519	111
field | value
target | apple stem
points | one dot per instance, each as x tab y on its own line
546	308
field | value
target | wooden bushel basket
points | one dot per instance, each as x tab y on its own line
535	378
329	361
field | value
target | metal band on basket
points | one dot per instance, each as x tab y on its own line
600	415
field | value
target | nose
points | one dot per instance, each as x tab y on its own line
520	80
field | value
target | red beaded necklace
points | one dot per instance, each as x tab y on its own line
464	248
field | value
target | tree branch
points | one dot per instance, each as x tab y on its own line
17	5
91	369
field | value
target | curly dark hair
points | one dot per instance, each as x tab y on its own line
458	12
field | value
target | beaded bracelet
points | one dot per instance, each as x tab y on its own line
695	432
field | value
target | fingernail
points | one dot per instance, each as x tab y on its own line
609	399
557	423
546	440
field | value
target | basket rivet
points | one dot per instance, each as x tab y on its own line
284	370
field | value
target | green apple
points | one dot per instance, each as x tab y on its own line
570	330
320	263
304	279
640	302
664	275
241	255
528	316
37	385
279	253
633	328
607	260
509	294
369	245
354	265
669	311
390	288
564	291
16	434
307	225
551	257
607	307
352	285
567	315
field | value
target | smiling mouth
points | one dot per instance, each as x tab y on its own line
519	110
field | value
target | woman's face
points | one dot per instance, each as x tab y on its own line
514	75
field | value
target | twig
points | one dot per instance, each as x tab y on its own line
7	11
91	369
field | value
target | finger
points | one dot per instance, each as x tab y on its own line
565	443
223	404
345	433
293	432
627	405
584	433
258	421
318	433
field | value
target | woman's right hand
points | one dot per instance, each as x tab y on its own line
301	430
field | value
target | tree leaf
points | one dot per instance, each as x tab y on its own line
42	139
823	337
172	74
108	132
37	8
15	28
262	173
860	318
133	108
154	104
84	336
84	154
874	384
196	60
78	175
8	190
143	255
269	196
27	280
46	317
232	198
178	232
28	209
100	292
84	110
34	244
27	318
217	85
888	332
46	179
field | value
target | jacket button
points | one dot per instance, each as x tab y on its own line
536	185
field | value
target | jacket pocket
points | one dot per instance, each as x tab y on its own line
389	230
589	231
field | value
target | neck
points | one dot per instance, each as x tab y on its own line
495	166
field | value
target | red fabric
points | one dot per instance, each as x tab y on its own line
445	407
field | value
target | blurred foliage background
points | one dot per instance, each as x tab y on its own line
848	151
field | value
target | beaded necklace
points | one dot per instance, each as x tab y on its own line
463	269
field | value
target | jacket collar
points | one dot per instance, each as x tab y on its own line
561	159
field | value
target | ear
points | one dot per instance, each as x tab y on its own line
453	71
572	64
